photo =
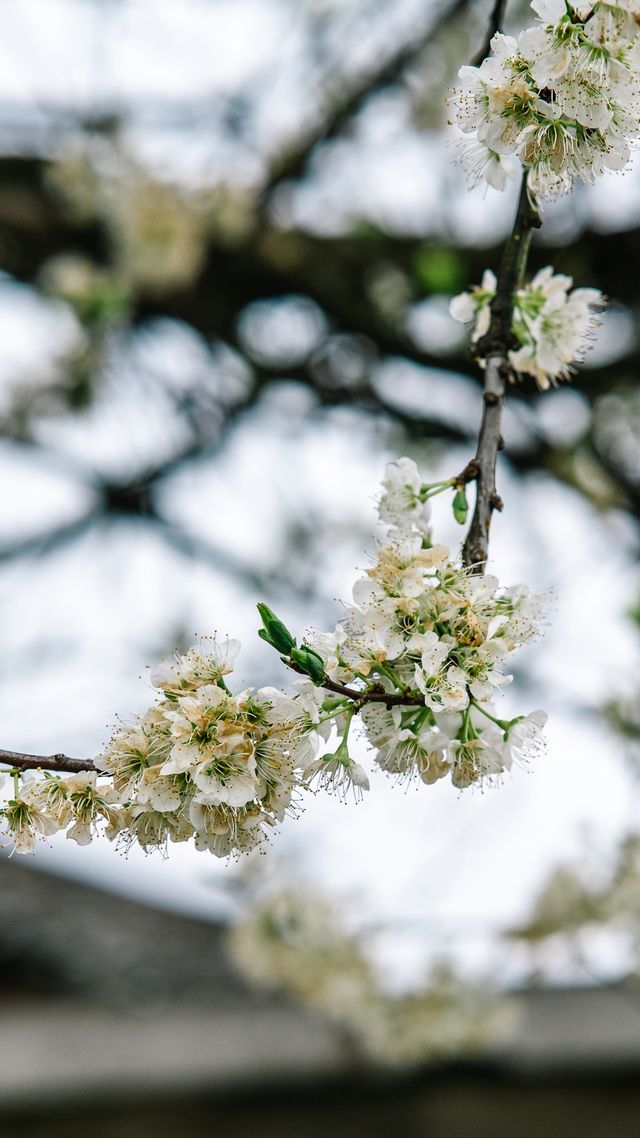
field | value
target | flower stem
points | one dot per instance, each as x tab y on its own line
501	723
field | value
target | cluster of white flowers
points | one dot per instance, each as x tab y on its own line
200	764
418	657
296	942
41	806
562	100
582	906
553	323
434	636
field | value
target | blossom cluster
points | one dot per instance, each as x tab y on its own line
200	764
562	100
418	658
296	943
552	322
434	636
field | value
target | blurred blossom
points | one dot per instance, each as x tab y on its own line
432	328
564	416
283	331
297	943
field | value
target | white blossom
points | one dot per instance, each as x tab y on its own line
523	737
338	773
482	164
413	753
563	99
205	663
553	322
401	505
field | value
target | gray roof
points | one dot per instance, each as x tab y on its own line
84	944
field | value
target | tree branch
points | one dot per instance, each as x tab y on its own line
375	694
60	763
494	350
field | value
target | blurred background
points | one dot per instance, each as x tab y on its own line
229	234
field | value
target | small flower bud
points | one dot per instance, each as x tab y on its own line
275	632
460	506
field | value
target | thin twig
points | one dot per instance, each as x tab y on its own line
375	694
61	763
494	350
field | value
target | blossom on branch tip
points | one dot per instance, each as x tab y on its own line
562	101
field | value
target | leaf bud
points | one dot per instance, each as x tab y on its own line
275	632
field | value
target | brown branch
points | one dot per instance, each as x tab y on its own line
494	349
61	763
376	694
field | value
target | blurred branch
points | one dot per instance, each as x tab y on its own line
495	25
201	549
50	540
270	263
292	164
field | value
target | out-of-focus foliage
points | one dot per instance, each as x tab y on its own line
296	943
577	904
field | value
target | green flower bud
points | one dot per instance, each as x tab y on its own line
460	506
275	632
